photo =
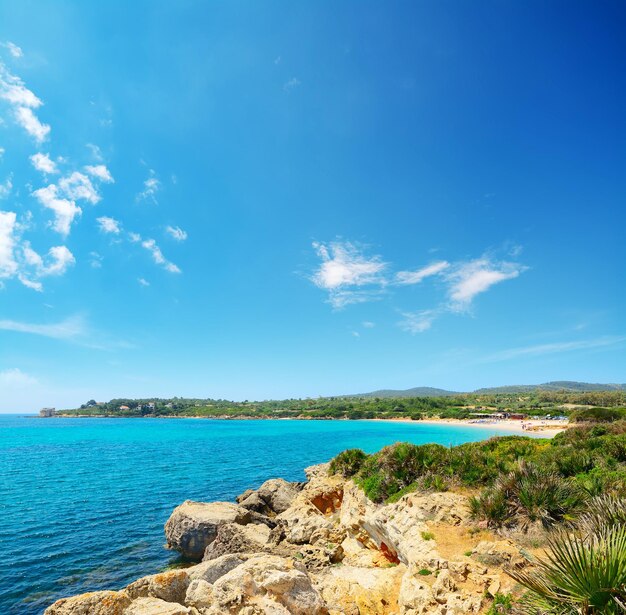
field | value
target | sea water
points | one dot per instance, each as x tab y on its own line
83	501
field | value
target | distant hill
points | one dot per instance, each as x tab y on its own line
415	392
558	385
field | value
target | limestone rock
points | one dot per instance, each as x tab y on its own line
233	538
211	570
317	471
170	586
199	595
193	525
415	597
302	520
93	603
155	606
270	583
278	494
352	590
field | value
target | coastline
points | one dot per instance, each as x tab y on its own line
529	427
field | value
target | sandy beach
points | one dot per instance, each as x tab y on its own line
534	427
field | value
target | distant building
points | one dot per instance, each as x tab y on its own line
124	408
47	412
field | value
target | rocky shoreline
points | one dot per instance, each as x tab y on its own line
319	548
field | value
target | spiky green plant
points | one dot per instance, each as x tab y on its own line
578	576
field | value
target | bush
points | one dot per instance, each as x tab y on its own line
598	415
348	463
528	496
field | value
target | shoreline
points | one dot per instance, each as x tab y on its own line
528	427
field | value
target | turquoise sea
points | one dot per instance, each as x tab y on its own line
83	501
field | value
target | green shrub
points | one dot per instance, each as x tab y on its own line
428	536
598	415
348	463
502	603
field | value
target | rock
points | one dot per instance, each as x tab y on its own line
193	525
302	520
170	586
273	584
199	595
155	606
317	471
211	570
93	603
494	587
316	557
233	538
255	503
352	590
278	494
443	585
499	553
415	597
458	604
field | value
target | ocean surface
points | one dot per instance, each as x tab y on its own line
83	501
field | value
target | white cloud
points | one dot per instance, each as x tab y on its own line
415	277
70	328
15	377
143	282
95	260
64	210
13	90
418	322
557	347
291	84
60	258
101	172
109	225
150	188
8	264
2	150
345	270
95	151
6	187
157	256
134	237
367	324
43	163
31	124
475	277
13	49
78	186
176	233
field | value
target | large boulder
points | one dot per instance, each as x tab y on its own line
353	590
170	586
273	497
192	527
93	603
234	538
211	570
271	584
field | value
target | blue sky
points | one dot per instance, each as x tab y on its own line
253	200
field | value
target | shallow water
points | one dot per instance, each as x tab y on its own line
83	501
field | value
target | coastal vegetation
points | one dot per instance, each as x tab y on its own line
581	406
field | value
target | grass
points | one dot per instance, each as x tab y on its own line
428	536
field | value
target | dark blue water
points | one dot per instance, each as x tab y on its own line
83	501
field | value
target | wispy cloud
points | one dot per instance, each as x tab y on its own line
151	187
43	163
469	279
74	330
6	187
292	84
176	233
100	172
69	329
157	256
143	282
8	263
415	277
418	322
109	225
346	272
64	210
553	348
13	49
15	377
